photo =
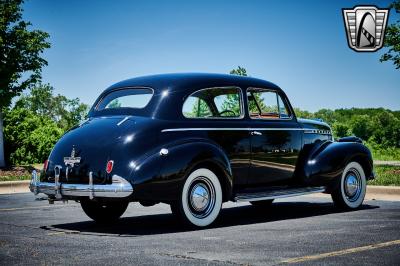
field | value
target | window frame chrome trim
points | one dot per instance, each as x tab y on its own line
242	111
284	100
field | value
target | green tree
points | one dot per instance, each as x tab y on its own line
63	111
114	104
240	71
30	137
200	109
361	126
302	113
340	130
392	39
20	56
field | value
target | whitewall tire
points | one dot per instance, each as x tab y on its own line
201	198
350	193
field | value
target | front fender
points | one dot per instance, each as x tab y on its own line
160	177
327	160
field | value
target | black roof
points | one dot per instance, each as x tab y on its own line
178	86
189	81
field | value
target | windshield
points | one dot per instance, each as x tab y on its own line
126	98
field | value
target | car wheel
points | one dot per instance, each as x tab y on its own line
262	203
103	212
201	199
351	188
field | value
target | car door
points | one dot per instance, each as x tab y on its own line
275	138
220	112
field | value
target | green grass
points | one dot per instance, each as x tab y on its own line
386	176
16	173
15	177
383	154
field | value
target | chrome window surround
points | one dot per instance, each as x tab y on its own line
284	100
221	117
125	88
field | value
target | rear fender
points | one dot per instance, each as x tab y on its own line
161	176
327	160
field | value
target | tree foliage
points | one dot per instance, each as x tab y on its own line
29	137
58	108
37	121
375	125
392	39
20	52
240	71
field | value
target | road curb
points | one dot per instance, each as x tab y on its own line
9	187
387	190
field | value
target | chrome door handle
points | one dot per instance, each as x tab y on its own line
256	133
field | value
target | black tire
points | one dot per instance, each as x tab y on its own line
262	203
350	188
102	212
199	209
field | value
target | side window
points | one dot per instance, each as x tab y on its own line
214	103
283	110
266	104
196	107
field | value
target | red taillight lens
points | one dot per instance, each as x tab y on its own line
45	164
109	167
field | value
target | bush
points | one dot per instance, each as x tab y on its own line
29	137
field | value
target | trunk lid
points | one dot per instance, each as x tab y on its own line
87	148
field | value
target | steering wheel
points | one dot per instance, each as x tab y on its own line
227	111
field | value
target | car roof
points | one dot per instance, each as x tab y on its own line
178	86
191	81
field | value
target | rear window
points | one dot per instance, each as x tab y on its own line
126	98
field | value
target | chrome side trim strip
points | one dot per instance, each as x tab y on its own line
225	129
317	131
123	120
272	195
119	188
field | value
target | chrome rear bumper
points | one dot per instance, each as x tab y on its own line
119	188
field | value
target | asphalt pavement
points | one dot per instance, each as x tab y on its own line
300	231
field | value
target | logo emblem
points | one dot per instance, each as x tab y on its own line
365	27
71	161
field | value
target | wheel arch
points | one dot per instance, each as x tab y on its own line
365	164
222	175
326	161
174	167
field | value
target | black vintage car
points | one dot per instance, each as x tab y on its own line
195	141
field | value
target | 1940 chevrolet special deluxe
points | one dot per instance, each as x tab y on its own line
195	141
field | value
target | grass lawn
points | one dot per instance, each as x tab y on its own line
17	173
386	176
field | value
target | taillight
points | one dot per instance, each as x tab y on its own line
45	165
109	167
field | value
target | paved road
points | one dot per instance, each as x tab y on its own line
302	231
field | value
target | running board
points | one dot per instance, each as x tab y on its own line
282	193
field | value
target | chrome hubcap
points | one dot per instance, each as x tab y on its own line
201	197
352	185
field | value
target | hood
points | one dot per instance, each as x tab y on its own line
313	124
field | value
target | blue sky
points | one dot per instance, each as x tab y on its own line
299	45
